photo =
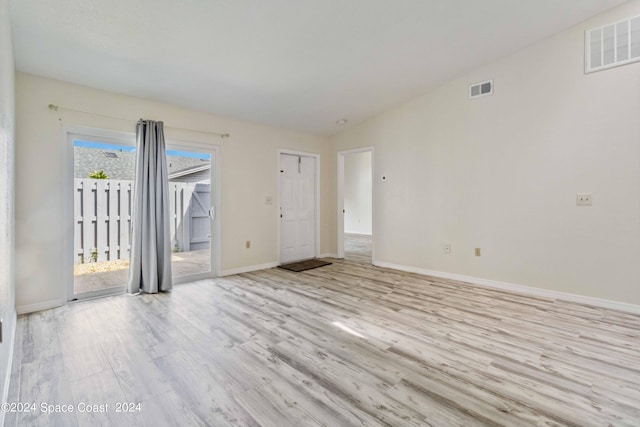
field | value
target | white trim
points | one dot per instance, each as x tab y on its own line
353	233
39	306
523	289
340	201
249	268
91	296
99	293
189	171
328	255
67	163
340	205
316	156
108	134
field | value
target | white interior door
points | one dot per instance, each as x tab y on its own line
297	207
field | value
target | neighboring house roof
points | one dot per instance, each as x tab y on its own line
87	160
123	164
189	170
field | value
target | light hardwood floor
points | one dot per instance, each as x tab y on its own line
347	344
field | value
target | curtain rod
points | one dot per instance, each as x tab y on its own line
54	107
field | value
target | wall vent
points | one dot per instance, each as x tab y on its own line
477	90
612	45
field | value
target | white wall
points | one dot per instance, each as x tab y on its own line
357	193
502	172
7	145
249	175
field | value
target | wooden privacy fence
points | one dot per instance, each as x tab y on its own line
189	212
102	212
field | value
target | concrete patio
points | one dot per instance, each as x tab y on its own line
182	264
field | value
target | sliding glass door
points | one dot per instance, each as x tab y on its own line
102	196
192	196
103	172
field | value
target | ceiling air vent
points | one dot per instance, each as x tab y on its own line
612	45
481	89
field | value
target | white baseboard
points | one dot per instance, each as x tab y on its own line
358	234
248	269
529	290
328	255
39	306
7	378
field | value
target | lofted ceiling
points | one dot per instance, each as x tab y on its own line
298	64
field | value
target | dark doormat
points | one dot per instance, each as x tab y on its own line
304	265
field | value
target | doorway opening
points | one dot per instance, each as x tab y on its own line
355	205
191	211
102	196
101	205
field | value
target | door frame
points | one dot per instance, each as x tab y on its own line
215	244
316	228
115	137
340	201
127	138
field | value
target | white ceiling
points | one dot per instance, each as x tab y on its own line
298	64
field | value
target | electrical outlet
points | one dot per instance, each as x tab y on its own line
447	248
248	244
478	251
268	200
584	199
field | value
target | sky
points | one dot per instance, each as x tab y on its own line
128	148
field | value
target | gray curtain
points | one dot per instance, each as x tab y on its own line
150	264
